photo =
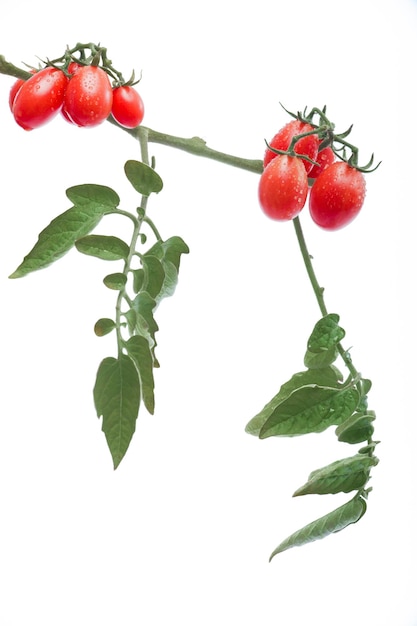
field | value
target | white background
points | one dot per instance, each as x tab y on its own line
182	531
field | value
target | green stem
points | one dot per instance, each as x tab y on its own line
192	145
318	291
11	70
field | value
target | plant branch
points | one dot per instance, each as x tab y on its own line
192	145
318	291
11	70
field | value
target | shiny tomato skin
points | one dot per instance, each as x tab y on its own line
283	188
40	98
306	145
128	108
89	97
73	67
324	158
337	196
14	90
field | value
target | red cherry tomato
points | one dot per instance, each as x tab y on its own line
337	196
283	187
73	67
128	108
324	158
306	145
40	98
13	91
15	88
89	97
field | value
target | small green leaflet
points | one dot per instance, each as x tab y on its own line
144	321
139	351
115	281
104	326
340	518
93	196
357	428
104	247
116	398
91	202
143	178
345	475
328	377
169	255
154	275
326	334
323	341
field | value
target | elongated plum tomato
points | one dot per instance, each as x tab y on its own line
308	145
324	158
15	88
283	188
88	97
337	196
40	98
128	108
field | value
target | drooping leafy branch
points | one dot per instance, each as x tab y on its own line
147	276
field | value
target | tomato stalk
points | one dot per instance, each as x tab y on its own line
193	145
318	291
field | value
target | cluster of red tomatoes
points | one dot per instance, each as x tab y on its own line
337	192
83	94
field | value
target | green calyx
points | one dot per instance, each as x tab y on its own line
325	130
91	54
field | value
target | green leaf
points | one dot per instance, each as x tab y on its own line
356	428
104	326
131	318
337	520
116	398
115	281
322	343
143	178
170	250
326	334
138	279
169	253
93	196
344	475
154	275
317	360
327	377
311	409
140	353
60	236
145	324
104	247
170	281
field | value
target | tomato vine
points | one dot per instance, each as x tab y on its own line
313	399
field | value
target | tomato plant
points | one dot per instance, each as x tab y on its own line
88	97
337	196
307	145
40	98
312	400
283	187
128	108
